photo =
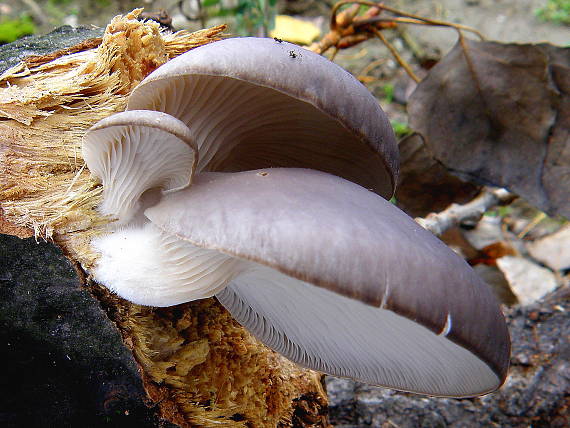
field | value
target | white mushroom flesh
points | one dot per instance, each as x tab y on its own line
148	267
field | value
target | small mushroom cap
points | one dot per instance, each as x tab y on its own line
131	152
255	103
345	283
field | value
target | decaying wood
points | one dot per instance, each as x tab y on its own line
197	363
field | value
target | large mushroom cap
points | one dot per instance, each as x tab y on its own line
339	280
255	103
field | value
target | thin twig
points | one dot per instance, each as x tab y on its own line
414	19
434	22
336	7
438	223
534	222
371	66
394	52
333	56
348	29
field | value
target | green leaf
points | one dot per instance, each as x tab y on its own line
388	90
557	11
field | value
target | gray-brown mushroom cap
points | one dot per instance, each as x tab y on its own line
255	103
345	282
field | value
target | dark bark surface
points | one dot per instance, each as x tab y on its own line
64	362
60	38
537	391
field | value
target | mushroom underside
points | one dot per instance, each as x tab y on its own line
324	331
149	267
242	126
132	152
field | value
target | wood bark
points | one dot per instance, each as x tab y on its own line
197	365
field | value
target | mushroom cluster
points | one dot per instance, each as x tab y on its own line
257	172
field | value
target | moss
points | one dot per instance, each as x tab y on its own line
13	29
401	129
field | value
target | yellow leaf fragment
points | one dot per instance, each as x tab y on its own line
295	30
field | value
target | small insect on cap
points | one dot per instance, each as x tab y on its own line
256	103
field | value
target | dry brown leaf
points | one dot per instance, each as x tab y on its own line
484	261
500	114
424	185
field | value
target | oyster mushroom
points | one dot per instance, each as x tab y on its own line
134	151
291	232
